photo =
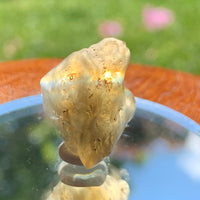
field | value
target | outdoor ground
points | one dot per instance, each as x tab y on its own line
55	28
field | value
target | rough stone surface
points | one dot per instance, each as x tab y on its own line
86	99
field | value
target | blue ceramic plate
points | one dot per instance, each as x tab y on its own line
159	150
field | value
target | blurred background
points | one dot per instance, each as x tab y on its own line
158	33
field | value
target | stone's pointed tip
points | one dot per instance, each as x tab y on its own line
89	161
90	157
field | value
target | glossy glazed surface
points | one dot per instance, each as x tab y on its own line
158	152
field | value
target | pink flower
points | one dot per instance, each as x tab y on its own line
110	29
157	18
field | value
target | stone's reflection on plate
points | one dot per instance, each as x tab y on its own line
158	149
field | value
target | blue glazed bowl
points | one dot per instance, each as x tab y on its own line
159	150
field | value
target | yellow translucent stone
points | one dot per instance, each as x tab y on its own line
86	99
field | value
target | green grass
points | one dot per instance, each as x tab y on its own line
55	28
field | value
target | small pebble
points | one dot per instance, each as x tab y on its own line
80	176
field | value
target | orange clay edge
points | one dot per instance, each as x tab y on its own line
177	90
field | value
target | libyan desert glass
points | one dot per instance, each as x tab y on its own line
85	97
158	153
